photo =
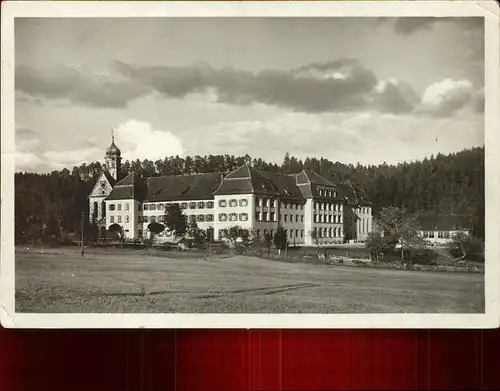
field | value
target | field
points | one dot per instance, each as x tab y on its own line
62	281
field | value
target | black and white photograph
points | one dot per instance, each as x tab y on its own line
251	165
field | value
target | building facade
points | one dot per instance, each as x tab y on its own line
311	209
439	229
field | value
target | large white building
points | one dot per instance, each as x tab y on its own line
304	203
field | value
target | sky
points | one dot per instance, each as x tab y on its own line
367	90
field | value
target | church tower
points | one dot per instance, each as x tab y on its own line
113	158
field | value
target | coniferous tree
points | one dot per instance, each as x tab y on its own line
444	184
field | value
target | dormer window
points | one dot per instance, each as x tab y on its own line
103	184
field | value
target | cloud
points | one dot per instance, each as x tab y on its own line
410	25
31	159
394	96
478	101
340	85
23	98
343	85
25	132
294	89
71	157
76	85
35	156
344	89
26	141
446	97
342	137
337	69
138	140
30	162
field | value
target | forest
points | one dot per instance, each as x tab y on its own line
442	184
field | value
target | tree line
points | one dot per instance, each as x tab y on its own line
442	184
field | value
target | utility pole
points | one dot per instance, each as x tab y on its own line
210	244
122	238
83	251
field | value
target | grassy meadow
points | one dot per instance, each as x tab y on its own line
62	281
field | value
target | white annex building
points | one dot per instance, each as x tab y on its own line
302	203
440	229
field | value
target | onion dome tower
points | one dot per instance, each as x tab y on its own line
113	158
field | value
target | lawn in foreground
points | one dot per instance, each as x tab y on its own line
62	282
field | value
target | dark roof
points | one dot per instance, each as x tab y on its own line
246	180
182	187
445	222
262	184
242	172
309	184
235	186
130	187
305	190
302	178
236	182
316	179
353	194
110	179
285	185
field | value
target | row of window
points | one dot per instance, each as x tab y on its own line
363	225
233	217
266	202
265	216
287	218
126	219
233	203
118	207
183	205
199	218
270	203
328	232
364	210
326	192
327	206
327	219
95	210
161	219
200	204
441	234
